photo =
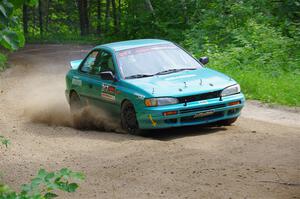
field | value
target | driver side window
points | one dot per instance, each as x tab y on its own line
107	62
89	62
97	62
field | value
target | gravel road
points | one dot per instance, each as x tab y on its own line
257	157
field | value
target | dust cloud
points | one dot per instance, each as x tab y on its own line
53	114
94	118
40	94
89	118
47	104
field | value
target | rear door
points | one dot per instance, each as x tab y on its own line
85	77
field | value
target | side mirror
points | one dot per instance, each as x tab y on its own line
204	60
75	64
107	75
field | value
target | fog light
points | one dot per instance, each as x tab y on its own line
234	103
169	113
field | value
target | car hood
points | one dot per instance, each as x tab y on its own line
182	83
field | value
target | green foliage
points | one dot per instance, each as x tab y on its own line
253	45
19	3
44	185
259	47
265	63
10	35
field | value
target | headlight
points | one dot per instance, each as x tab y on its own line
231	90
160	101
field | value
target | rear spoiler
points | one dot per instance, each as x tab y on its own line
75	64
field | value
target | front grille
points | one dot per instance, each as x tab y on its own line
202	108
199	97
171	121
192	119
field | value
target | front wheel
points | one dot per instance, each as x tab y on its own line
128	118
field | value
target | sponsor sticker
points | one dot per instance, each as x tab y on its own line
139	96
108	97
203	114
154	123
76	82
203	102
180	77
108	92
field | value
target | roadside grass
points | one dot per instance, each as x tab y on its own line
283	89
3	61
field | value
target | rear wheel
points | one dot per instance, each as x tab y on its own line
128	118
75	103
75	107
227	122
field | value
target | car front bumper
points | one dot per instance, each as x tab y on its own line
191	113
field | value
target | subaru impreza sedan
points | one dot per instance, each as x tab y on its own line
152	84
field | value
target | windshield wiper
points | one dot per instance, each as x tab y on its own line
173	71
138	76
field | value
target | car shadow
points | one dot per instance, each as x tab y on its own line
179	132
114	135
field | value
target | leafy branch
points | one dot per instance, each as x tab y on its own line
44	185
11	36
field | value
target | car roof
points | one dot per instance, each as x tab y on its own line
124	45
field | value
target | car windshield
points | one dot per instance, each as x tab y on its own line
154	60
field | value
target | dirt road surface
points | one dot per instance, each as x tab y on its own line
257	157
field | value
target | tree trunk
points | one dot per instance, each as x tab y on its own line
185	12
47	9
83	17
41	18
99	16
34	19
119	14
149	6
25	20
107	15
115	16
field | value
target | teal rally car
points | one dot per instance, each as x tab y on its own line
152	84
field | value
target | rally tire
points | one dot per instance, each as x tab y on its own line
75	103
128	119
76	107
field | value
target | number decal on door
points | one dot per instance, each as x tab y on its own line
108	92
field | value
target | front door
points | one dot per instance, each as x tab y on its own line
103	92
